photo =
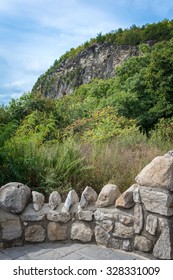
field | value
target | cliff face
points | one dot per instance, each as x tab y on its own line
96	61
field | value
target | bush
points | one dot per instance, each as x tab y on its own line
45	167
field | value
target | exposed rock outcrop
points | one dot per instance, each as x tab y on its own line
96	61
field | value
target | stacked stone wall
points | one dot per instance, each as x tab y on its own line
140	219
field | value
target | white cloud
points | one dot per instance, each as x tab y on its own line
16	84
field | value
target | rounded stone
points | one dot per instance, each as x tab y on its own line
108	195
35	233
158	173
14	197
38	200
54	200
71	199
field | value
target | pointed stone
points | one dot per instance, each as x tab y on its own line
54	200
108	195
38	200
88	196
71	199
126	199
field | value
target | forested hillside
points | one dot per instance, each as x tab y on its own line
106	131
98	57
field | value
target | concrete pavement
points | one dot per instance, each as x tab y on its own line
66	251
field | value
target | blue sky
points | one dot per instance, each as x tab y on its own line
33	33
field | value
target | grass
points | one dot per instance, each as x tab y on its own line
72	165
118	161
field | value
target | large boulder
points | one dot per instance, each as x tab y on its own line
158	173
14	197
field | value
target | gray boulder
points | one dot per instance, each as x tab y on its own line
158	173
88	196
108	195
14	197
126	199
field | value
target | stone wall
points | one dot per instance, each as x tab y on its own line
140	219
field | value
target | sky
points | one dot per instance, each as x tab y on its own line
34	33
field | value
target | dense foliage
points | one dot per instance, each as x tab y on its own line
133	36
105	132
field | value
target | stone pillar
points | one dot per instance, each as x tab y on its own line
156	197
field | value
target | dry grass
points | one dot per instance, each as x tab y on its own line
118	161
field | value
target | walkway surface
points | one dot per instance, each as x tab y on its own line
66	251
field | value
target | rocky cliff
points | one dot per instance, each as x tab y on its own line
96	61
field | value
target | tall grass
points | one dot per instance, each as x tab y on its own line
67	165
120	160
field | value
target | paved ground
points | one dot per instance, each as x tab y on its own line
65	251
